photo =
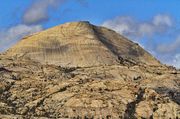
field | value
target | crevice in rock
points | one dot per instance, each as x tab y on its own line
173	94
131	107
5	95
2	69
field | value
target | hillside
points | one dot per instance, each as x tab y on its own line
80	44
79	70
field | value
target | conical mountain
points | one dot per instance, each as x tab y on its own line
81	71
80	44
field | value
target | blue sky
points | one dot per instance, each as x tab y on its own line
154	24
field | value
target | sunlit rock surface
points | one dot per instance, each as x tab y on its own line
78	70
80	44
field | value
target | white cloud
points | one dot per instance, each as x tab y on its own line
176	61
159	20
169	47
173	60
145	29
10	36
130	27
124	25
38	11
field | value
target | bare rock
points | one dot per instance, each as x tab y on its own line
78	70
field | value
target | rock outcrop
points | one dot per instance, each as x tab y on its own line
78	70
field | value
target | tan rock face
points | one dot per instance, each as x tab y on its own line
80	44
78	70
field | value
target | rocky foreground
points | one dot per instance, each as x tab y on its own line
129	86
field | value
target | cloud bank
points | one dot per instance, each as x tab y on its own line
169	47
11	35
38	11
130	27
170	52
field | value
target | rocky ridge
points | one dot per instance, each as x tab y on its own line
78	70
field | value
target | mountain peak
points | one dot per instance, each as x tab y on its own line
77	24
79	70
81	44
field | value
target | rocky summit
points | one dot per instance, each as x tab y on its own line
81	71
